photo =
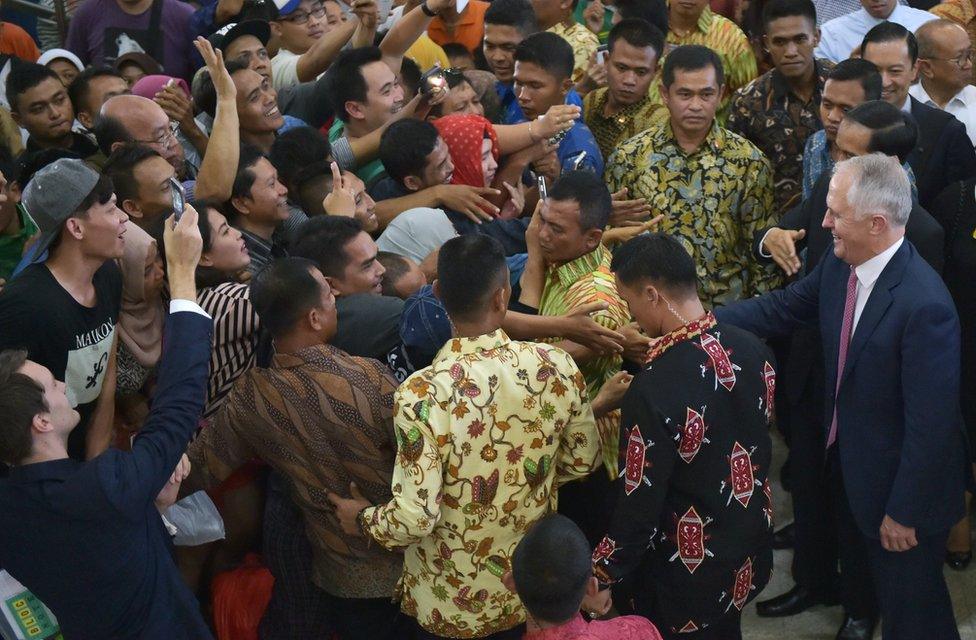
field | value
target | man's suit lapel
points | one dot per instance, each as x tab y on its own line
928	139
877	304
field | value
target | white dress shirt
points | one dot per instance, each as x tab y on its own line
827	10
840	36
962	105
179	304
867	276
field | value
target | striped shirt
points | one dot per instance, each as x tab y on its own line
585	280
235	338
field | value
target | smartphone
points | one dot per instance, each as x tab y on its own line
543	191
433	80
601	54
179	198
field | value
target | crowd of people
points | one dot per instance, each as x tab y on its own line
477	319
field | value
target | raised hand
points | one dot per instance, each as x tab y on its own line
214	59
468	200
341	201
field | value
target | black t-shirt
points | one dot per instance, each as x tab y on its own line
368	325
73	341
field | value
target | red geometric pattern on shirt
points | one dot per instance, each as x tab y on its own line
687	332
689	627
636	461
690	539
742	479
742	585
692	435
719	360
769	379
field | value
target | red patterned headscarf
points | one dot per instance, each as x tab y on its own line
463	135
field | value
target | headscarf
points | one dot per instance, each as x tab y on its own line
415	233
61	54
149	86
140	320
463	135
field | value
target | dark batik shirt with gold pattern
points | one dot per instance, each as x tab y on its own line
610	131
767	113
713	199
486	434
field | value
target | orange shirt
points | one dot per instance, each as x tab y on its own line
14	41
469	30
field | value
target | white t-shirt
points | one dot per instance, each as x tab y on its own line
284	69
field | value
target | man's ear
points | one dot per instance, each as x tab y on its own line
275	29
335	285
42	423
131	208
413	183
355	110
592	239
567	84
240	203
509	581
16	117
73	226
86	120
592	586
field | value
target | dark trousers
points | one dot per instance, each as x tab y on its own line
419	633
825	532
911	590
589	502
368	619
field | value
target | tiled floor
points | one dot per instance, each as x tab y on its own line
822	623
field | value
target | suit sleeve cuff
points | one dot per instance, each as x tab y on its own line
762	246
176	306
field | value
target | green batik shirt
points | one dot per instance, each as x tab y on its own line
713	200
567	287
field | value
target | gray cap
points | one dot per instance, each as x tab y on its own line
53	195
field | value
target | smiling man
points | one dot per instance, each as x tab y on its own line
841	36
258	205
258	112
39	103
945	65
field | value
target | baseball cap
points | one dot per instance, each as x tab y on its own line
142	60
424	326
228	33
286	6
53	195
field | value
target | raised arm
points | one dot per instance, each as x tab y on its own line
408	29
216	177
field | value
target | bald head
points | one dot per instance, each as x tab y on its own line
145	122
945	58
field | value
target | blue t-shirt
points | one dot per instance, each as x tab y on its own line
511	112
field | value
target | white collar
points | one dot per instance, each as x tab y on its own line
907	107
868	272
965	95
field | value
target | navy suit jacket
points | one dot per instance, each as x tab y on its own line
944	153
899	426
86	538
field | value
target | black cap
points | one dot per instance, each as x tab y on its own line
228	33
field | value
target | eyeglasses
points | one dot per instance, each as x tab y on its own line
301	17
960	61
166	137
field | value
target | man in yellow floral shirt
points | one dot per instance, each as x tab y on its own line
713	186
693	22
485	435
557	16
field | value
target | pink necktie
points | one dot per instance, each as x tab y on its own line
845	340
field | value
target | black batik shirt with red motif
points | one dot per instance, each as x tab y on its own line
691	532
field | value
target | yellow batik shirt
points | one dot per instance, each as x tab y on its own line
610	131
713	199
567	287
725	38
485	435
584	43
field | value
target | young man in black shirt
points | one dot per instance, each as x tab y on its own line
64	310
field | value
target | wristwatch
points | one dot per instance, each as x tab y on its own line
426	9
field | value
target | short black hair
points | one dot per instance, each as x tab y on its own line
205	93
345	78
283	292
323	240
860	70
590	192
108	131
405	145
691	57
893	132
23	77
243	179
410	75
513	13
549	52
638	33
551	566
30	162
21	400
891	32
658	257
396	267
653	11
469	269
121	166
776	9
456	50
80	87
297	149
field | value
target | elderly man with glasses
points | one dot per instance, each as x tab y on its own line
945	66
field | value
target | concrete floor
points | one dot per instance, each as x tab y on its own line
821	623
